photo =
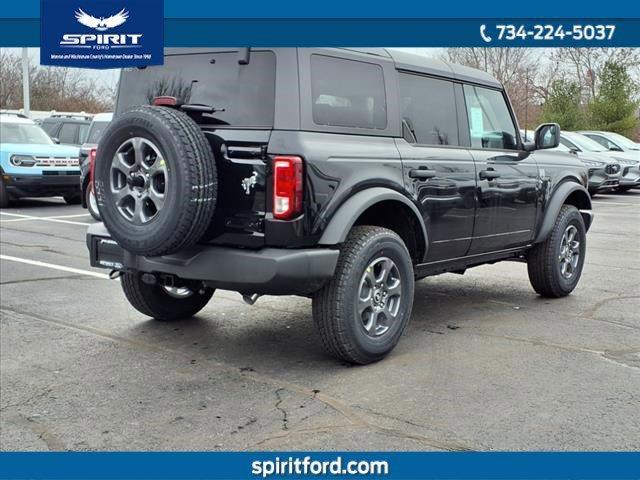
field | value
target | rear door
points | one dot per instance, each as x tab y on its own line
507	175
438	172
243	95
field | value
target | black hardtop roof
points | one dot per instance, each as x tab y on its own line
403	61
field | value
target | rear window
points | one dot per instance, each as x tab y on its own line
347	93
245	93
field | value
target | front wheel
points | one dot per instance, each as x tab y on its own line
362	312
164	303
555	265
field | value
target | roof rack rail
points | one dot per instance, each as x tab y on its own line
15	114
82	115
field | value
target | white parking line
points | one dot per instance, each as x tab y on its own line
44	219
53	266
605	201
70	216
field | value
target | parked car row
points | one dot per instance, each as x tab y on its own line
44	159
33	164
613	164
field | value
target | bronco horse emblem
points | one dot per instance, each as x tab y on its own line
249	182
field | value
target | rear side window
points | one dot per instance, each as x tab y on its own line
490	123
49	126
95	131
429	108
244	95
82	132
68	133
347	93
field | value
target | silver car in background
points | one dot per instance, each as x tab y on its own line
626	151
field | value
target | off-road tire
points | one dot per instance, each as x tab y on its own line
93	211
73	199
543	259
192	181
154	301
341	330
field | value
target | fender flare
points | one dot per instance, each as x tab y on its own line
555	203
347	214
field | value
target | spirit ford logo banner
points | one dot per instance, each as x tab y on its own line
101	34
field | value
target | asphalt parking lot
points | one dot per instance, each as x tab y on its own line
485	363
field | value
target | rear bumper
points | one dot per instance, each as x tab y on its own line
41	185
272	271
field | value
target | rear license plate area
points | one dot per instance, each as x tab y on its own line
106	253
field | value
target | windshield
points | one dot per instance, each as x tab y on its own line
25	133
243	95
623	141
95	131
584	143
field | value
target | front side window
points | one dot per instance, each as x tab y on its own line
428	107
569	145
582	143
605	142
490	123
347	93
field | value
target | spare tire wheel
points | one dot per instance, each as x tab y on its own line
156	181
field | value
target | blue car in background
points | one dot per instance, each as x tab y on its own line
33	165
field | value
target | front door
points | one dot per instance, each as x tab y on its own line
439	174
508	179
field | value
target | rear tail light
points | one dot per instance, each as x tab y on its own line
287	187
165	101
92	163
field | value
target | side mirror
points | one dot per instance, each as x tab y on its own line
55	140
615	149
547	136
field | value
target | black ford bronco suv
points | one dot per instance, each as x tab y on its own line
343	175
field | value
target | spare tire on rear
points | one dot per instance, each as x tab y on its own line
155	181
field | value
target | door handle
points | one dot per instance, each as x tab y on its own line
422	173
488	174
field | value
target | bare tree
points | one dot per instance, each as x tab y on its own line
52	88
10	80
516	68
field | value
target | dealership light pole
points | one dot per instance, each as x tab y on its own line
25	82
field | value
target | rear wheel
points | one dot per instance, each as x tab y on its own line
555	265
92	203
362	312
165	303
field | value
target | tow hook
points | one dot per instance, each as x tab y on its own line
251	299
